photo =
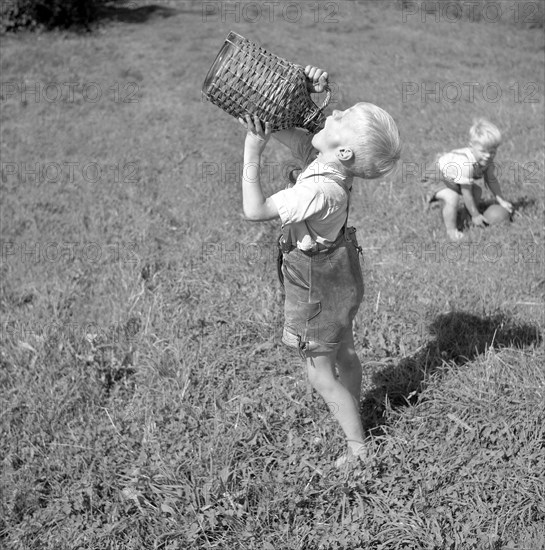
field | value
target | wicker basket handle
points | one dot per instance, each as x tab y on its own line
311	122
327	97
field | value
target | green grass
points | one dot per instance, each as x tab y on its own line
147	401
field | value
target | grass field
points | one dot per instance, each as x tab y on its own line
147	401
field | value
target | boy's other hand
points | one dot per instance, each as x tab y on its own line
505	204
479	221
317	79
257	133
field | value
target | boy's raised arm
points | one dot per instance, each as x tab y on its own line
255	205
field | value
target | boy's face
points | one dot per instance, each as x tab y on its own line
484	154
337	131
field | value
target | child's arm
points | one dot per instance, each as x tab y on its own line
255	206
469	201
494	185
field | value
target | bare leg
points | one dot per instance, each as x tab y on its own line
349	366
341	402
450	201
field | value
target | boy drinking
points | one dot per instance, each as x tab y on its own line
320	266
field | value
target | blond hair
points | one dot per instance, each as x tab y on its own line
485	133
378	147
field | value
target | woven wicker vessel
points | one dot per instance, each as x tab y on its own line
245	78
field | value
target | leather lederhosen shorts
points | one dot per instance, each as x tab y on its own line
323	291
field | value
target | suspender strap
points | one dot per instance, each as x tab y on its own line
345	226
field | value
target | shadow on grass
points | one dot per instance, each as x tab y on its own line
459	337
131	12
523	203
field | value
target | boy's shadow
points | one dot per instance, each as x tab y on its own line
459	338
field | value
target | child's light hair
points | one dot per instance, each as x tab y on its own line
485	133
378	147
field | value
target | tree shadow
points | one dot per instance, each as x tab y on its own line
459	337
133	12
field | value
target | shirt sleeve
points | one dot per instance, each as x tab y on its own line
299	203
456	168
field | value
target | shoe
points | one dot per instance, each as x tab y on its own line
455	235
428	195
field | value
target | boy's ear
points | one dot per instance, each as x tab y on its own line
344	153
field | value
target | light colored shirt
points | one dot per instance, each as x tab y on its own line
314	210
461	167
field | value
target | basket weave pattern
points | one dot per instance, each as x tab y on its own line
245	78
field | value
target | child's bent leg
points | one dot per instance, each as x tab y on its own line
450	201
341	402
349	366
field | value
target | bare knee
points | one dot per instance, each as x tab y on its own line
347	355
449	197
